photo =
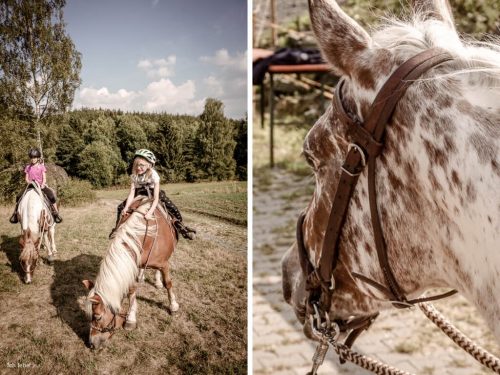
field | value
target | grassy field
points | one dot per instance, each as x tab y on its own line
43	327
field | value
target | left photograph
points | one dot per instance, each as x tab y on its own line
123	187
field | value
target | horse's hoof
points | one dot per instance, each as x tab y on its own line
158	285
174	307
27	281
129	326
50	260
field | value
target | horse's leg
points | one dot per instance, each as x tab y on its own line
131	322
158	280
50	243
27	275
167	283
140	278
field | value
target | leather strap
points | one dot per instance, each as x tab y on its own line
366	141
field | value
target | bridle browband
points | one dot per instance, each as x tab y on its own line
367	142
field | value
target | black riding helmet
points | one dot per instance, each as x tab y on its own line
34	153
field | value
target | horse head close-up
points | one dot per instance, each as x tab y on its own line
407	173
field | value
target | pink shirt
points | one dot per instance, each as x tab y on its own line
35	172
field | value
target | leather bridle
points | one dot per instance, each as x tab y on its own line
367	142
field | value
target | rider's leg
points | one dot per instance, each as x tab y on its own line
49	193
13	219
185	231
119	210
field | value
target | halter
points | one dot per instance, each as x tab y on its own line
366	144
111	327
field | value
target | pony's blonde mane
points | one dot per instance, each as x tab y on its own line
478	61
119	269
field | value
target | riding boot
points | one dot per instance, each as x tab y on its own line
14	219
55	213
186	232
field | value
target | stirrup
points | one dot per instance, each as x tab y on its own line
58	219
189	235
13	219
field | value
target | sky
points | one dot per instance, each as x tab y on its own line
160	55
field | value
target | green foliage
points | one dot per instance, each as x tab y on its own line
11	182
39	64
215	143
241	149
477	18
75	192
131	135
100	164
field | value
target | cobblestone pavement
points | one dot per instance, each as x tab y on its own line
404	339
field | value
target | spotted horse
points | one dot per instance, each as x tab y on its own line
407	175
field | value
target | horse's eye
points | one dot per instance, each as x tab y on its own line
309	160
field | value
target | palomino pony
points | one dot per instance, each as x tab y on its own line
139	243
437	178
36	223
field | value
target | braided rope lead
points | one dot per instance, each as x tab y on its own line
367	363
479	353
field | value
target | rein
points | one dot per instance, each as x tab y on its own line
367	143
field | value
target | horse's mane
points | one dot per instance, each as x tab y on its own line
119	269
475	60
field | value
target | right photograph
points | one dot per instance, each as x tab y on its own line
376	187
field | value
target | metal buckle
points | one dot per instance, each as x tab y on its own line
361	153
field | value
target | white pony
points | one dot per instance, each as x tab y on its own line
36	223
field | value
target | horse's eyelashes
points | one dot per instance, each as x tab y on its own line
309	160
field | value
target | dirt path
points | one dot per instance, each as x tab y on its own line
404	339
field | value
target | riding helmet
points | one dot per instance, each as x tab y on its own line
34	153
146	154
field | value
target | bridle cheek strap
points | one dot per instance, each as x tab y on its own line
366	144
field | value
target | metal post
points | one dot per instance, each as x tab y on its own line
262	104
271	121
274	34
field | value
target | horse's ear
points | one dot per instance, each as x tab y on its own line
342	41
434	9
89	284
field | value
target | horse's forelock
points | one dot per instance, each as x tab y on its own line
88	304
470	57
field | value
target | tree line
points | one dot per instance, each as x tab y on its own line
98	145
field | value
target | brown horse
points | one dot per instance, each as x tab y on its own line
437	178
138	244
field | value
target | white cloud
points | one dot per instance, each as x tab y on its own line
224	59
163	95
159	68
214	86
158	96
